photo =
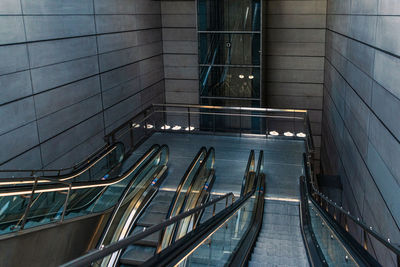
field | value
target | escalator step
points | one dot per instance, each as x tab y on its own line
151	218
136	255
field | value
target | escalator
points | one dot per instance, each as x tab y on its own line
28	202
314	231
193	190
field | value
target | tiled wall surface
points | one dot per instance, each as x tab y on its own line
293	57
70	71
180	51
361	119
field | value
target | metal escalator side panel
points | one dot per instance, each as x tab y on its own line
250	167
181	251
168	236
137	194
193	194
51	209
180	195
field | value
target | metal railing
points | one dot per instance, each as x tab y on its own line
201	119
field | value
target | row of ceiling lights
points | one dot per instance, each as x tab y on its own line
300	134
191	128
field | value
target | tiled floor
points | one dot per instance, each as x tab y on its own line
282	160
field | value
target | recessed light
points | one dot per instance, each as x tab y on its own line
275	133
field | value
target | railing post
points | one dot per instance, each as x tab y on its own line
66	202
214	124
240	122
131	133
188	111
29	203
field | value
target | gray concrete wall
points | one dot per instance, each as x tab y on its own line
180	51
293	57
70	71
361	125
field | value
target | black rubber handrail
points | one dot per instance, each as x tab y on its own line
152	151
210	155
183	247
200	156
127	189
77	169
359	254
98	254
250	167
241	255
369	230
54	187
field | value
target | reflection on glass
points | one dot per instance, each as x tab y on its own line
229	49
229	15
334	251
225	82
219	246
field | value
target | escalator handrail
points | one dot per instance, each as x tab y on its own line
357	221
242	253
98	254
361	256
68	186
179	250
250	167
210	154
314	253
127	189
86	165
201	152
52	187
